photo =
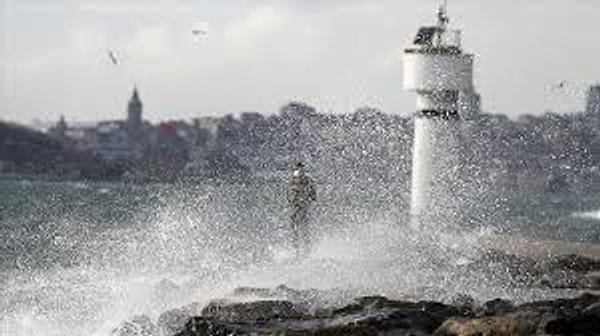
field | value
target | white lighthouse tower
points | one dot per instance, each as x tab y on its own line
438	71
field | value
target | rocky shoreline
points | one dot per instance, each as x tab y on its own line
285	311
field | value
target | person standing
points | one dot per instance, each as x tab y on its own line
302	193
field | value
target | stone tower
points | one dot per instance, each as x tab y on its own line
134	113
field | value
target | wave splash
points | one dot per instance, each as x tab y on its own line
179	254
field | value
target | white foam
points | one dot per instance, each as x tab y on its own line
588	215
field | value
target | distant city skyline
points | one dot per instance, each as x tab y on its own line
58	58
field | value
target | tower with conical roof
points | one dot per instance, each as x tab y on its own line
134	112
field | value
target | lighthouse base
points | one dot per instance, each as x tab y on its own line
435	189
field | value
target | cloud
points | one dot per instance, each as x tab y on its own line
133	7
261	52
258	27
149	44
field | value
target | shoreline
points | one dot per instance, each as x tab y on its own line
286	311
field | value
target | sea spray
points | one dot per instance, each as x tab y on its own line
146	249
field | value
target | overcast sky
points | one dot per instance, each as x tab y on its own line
334	54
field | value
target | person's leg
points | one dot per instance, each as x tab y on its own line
295	224
303	231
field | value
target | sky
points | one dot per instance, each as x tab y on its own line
337	55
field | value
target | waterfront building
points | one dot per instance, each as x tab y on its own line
592	103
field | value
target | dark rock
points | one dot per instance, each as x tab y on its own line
413	321
347	330
593	310
423	316
370	303
590	281
199	326
497	307
463	301
378	315
253	311
496	326
578	325
562	306
580	322
364	303
576	316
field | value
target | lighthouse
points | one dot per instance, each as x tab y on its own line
438	71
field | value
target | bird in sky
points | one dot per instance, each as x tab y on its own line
199	32
113	57
200	29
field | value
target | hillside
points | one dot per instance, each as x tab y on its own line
27	152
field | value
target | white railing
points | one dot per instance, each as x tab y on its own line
451	38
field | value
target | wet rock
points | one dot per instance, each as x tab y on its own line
253	311
138	326
496	326
462	300
590	281
370	303
573	321
347	330
577	325
497	307
389	315
567	306
200	326
364	303
576	316
378	315
593	310
405	321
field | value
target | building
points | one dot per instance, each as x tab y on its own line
134	113
592	102
120	141
113	143
59	131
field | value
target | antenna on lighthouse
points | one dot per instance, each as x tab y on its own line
443	18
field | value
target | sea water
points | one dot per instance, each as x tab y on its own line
78	258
